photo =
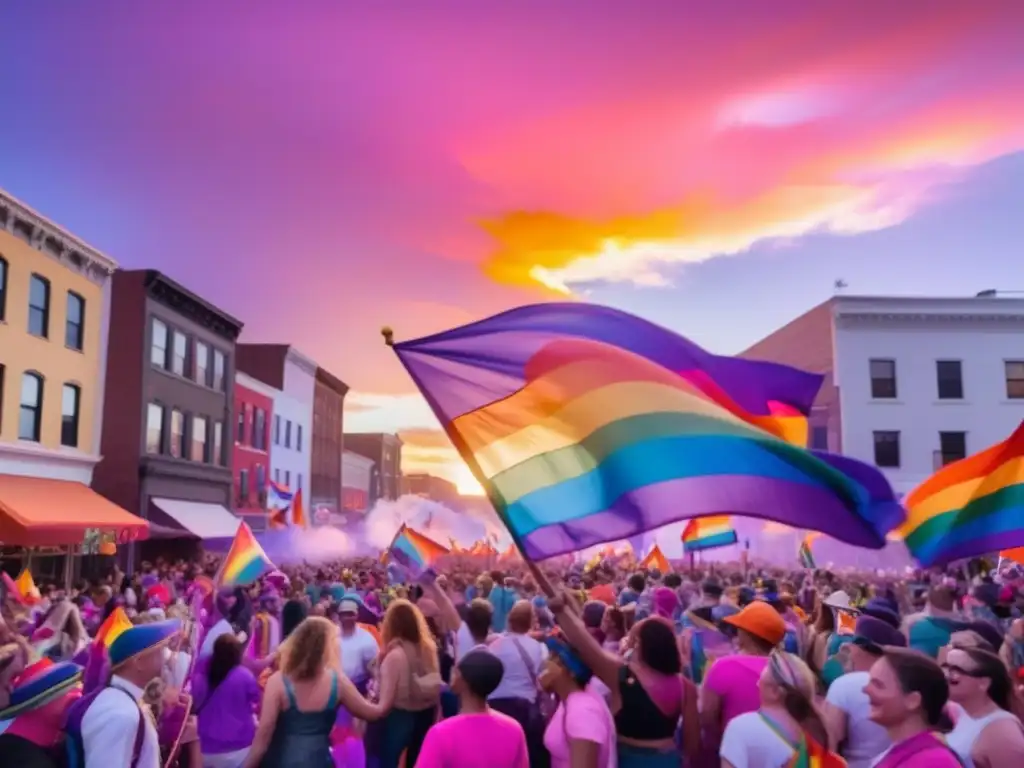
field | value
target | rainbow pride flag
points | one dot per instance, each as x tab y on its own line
414	550
245	562
805	555
708	533
970	507
585	425
112	627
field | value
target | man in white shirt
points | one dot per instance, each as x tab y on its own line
110	727
359	648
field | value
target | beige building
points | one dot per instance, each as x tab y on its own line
54	298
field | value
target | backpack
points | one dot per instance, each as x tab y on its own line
74	743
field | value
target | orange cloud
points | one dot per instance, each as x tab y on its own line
624	192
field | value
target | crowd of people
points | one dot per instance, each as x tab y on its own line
563	666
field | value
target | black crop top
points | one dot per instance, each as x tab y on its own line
640	718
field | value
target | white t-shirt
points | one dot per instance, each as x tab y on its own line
865	740
749	742
222	627
517	681
464	642
357	651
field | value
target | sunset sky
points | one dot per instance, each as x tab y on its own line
323	168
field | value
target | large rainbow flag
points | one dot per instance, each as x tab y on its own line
414	550
708	533
970	507
585	424
245	562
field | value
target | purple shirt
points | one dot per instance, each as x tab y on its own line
226	716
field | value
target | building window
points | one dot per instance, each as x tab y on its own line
202	364
199	444
155	429
950	379
30	422
819	438
887	449
3	289
288	479
298	437
259	429
218	443
218	370
243	487
177	448
277	430
298	482
277	475
39	307
287	434
883	379
74	324
1015	379
71	399
261	484
952	446
240	431
180	353
158	344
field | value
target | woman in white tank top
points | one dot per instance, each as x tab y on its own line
987	733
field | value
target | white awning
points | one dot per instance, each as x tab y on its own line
206	521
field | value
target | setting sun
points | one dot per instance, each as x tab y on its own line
465	482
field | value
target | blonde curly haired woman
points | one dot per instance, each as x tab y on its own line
300	703
409	685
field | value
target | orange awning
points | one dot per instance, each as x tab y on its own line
40	512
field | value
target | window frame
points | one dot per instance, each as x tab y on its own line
204	378
241	426
77	416
877	440
959	381
175	336
37	427
181	454
205	451
243	487
5	271
162	430
48	288
950	457
156	321
80	325
1012	394
298	436
878	393
217	444
222	359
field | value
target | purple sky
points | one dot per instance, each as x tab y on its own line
321	171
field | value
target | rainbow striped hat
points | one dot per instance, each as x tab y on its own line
39	684
140	639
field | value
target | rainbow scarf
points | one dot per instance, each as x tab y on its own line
808	753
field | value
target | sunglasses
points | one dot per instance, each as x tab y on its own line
953	669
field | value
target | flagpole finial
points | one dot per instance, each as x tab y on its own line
389	335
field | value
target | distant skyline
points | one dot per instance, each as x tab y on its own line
322	169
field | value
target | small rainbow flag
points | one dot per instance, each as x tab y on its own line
585	425
970	507
708	533
116	623
656	559
298	513
245	562
805	554
414	550
27	589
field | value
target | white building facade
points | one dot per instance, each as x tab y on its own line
358	477
925	381
292	428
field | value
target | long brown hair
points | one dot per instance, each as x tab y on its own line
312	648
404	622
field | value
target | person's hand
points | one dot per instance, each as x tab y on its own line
558	602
